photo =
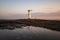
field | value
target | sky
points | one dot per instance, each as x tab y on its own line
11	9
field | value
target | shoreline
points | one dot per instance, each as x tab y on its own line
49	24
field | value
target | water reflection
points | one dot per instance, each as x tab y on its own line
11	26
29	33
29	27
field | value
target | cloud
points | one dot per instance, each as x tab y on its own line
50	16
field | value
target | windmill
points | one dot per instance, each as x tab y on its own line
29	14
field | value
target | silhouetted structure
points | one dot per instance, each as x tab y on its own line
29	14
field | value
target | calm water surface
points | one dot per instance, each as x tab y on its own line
29	33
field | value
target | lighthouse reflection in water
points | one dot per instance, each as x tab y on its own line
29	33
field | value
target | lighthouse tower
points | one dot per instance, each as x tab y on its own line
29	14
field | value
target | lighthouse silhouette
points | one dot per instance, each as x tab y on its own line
29	14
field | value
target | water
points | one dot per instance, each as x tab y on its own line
29	33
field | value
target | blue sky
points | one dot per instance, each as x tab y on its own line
11	7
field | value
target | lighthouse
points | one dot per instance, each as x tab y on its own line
29	14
